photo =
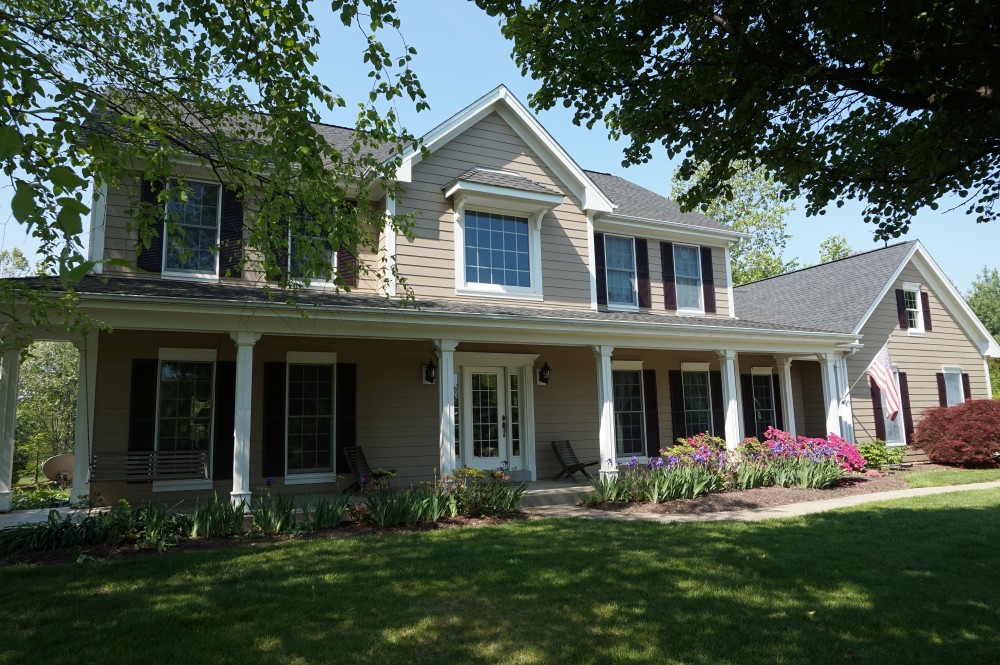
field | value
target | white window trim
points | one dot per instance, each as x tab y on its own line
900	418
185	355
534	211
690	311
918	330
312	358
762	370
632	366
956	370
174	273
698	368
622	307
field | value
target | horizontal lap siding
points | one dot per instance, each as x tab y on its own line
428	261
808	401
719	272
921	358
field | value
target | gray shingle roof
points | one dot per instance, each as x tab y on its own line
484	176
832	296
635	201
342	138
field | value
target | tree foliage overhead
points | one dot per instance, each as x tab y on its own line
754	207
230	86
896	103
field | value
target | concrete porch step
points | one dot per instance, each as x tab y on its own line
554	493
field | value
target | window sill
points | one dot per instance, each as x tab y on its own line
507	295
622	308
309	478
690	312
916	333
181	485
190	277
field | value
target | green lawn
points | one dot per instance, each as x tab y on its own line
900	582
951	477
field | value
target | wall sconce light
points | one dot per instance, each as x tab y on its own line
544	374
430	373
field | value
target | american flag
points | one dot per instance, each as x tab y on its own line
880	371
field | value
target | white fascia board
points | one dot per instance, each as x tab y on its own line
658	229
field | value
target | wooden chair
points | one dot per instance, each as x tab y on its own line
359	466
569	461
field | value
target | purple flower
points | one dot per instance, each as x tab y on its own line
269	482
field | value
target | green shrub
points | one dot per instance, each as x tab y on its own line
607	489
159	528
478	493
104	528
878	455
42	496
804	472
323	513
272	515
750	475
387	507
217	517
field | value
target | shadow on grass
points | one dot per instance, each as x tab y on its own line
892	583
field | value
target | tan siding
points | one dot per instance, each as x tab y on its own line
718	272
810	414
920	357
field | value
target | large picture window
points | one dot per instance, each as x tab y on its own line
619	261
310	427
184	419
630	431
496	250
193	229
687	278
697	402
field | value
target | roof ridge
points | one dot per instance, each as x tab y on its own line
829	263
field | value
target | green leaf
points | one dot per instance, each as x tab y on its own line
69	217
23	204
63	176
10	142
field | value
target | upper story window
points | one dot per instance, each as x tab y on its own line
193	230
914	308
687	278
497	250
619	253
298	265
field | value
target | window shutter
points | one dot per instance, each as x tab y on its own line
642	273
650	412
718	406
279	251
669	288
966	387
151	258
676	404
925	305
904	398
273	462
142	406
904	322
230	235
225	420
749	419
942	390
877	411
347	412
600	270
708	279
779	413
347	266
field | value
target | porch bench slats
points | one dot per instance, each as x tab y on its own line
150	465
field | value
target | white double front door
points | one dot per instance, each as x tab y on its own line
491	413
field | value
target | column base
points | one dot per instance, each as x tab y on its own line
240	497
608	473
5	501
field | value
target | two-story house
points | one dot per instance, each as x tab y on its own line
554	302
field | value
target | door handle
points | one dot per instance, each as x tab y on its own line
503	424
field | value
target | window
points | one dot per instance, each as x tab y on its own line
697	402
298	267
914	308
630	427
309	417
193	230
687	278
619	260
763	402
184	418
496	250
953	385
893	428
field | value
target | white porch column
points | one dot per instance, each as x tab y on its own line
787	402
10	365
241	432
831	392
86	389
446	403
730	397
846	407
606	410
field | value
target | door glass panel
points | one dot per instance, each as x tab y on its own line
485	416
515	416
458	426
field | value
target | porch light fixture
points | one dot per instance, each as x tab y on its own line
430	372
544	374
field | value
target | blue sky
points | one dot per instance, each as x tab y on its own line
462	55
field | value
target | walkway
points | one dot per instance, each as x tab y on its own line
756	514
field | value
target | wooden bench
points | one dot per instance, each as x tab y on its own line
150	465
571	464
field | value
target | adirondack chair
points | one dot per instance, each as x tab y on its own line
569	461
359	466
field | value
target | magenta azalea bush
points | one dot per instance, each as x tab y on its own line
778	444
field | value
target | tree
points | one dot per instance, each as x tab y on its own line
833	248
13	263
230	85
894	102
755	207
984	299
46	402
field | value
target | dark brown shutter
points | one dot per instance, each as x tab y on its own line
347	266
142	406
749	413
651	412
877	412
904	321
225	420
279	251
645	292
925	303
230	235
600	269
669	288
347	411
708	279
676	404
966	387
904	398
942	390
718	404
151	258
273	462
779	414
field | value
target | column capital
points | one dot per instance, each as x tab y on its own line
784	361
603	350
726	354
245	337
446	345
